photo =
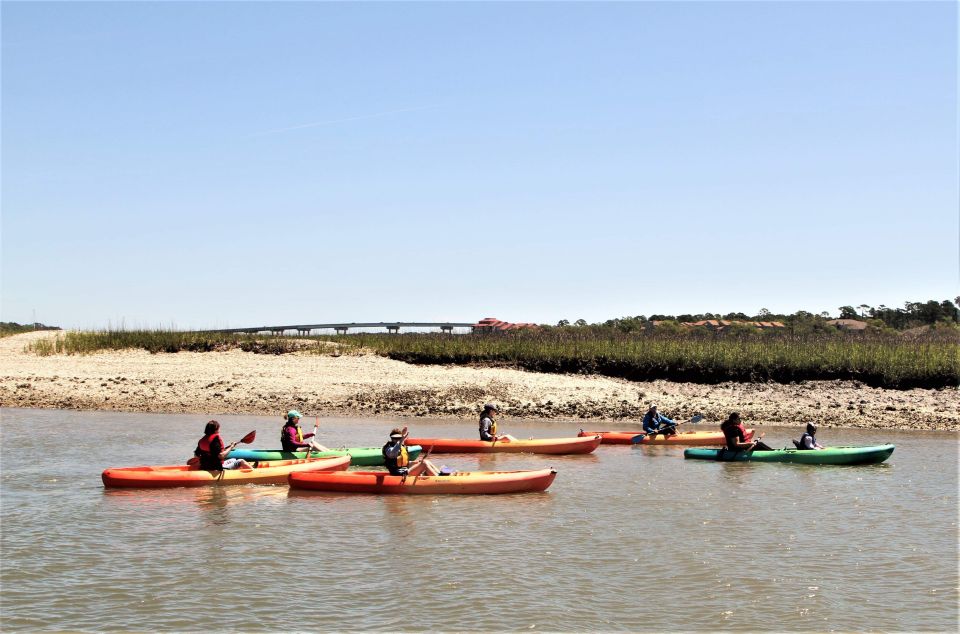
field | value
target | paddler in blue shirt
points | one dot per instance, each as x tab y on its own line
656	423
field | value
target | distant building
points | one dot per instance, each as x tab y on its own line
492	324
848	324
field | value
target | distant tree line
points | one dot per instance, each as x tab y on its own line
913	314
13	328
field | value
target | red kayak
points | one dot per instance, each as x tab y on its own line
477	482
533	445
690	438
274	472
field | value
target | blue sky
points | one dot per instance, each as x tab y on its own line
233	164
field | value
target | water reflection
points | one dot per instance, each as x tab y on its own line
213	503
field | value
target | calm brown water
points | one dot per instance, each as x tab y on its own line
627	539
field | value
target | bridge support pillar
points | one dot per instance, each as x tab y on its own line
393	329
446	329
341	330
303	332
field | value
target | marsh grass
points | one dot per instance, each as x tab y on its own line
878	360
88	342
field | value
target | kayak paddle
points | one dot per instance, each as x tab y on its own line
423	461
316	428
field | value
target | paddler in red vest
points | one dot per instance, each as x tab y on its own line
736	435
213	455
292	437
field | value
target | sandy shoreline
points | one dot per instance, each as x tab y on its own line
239	382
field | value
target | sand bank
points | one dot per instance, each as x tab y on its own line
237	382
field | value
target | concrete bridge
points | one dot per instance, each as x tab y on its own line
341	329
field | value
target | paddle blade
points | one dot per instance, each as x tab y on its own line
696	419
249	438
638	438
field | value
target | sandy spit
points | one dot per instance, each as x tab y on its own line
237	382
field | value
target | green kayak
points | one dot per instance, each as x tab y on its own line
365	456
830	455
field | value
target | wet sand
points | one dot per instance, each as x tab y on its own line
237	382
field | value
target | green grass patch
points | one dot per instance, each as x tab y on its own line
882	360
885	361
80	342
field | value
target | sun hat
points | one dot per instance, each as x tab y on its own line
396	433
294	414
489	407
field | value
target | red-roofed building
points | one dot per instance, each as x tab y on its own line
492	324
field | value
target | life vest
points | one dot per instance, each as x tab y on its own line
493	426
285	441
283	433
393	464
803	444
733	434
209	460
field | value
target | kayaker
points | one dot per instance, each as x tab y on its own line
488	425
736	435
292	437
809	439
656	423
395	455
397	460
213	455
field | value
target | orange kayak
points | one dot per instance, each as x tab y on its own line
690	438
533	445
486	482
274	472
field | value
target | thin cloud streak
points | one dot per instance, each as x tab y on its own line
318	124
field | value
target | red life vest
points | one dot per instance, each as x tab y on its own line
209	459
733	434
